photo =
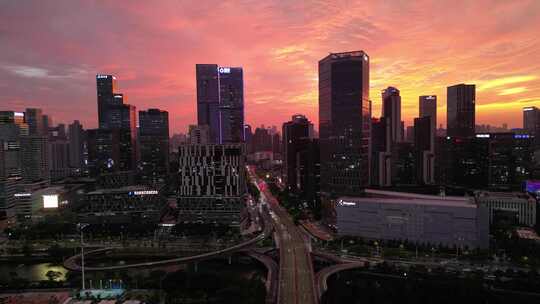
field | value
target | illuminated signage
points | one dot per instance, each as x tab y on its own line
223	70
18	114
430	97
344	203
23	194
50	201
143	192
519	136
528	109
102	76
118	96
483	136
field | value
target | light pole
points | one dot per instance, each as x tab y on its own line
81	228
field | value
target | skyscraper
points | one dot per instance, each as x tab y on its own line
106	86
391	109
220	102
154	143
35	158
76	145
460	115
34	119
531	122
428	107
424	150
426	158
116	120
231	105
381	174
293	133
344	122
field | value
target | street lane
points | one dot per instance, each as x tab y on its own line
296	279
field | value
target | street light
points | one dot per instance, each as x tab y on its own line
81	227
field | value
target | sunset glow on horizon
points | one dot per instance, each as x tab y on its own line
52	51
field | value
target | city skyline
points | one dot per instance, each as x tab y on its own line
153	53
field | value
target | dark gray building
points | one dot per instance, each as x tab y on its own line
531	122
76	145
344	122
391	110
154	144
106	87
424	141
294	132
34	119
460	115
220	102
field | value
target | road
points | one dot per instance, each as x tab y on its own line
72	263
296	279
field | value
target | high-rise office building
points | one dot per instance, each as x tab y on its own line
428	107
116	120
12	127
199	134
460	114
424	141
103	151
35	158
381	152
248	138
391	109
76	145
34	119
106	87
220	102
426	157
262	140
154	144
307	171
344	122
531	122
47	122
294	132
231	104
15	118
58	153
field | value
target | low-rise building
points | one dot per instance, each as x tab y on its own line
514	208
130	204
437	220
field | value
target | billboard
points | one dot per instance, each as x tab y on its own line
50	201
532	186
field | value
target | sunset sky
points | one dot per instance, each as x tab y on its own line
50	53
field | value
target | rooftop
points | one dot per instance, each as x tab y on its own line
390	197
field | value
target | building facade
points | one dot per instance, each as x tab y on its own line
508	207
211	183
461	105
220	102
154	144
344	122
294	132
391	110
435	220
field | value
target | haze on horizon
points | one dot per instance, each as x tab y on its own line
51	52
